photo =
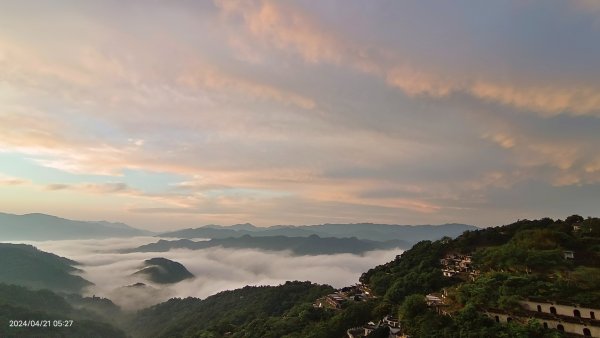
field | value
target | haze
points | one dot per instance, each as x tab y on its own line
215	269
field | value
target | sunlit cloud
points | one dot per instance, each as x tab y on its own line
293	112
9	180
289	28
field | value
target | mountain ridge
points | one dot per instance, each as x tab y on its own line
26	265
163	271
367	231
311	245
39	226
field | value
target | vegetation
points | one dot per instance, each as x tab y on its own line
516	261
513	262
25	265
263	311
19	303
311	245
374	232
415	271
164	271
40	227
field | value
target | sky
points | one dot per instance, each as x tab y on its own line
170	114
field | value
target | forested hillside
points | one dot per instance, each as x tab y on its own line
21	304
239	313
25	265
485	271
509	263
526	259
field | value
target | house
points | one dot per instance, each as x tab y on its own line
391	321
559	308
335	300
388	321
568	318
454	264
433	300
370	327
568	254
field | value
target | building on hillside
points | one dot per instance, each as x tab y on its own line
391	321
568	318
559	308
335	300
365	290
388	321
568	254
457	265
433	299
436	303
356	293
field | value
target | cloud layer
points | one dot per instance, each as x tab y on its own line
216	269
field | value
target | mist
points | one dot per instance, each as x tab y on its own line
216	269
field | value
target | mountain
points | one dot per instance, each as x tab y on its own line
311	245
244	226
21	304
367	231
226	311
40	227
163	271
25	265
525	261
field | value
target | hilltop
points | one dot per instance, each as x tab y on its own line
25	265
163	271
20	303
41	227
366	231
311	245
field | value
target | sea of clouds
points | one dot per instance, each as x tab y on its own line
216	269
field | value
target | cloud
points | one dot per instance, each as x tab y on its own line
548	100
294	31
9	180
216	269
544	99
297	112
587	6
57	186
558	159
203	77
289	28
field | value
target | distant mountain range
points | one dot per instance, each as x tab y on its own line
163	271
40	227
311	245
367	231
36	227
25	265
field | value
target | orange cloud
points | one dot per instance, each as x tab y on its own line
287	28
415	82
204	76
10	180
545	99
572	162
